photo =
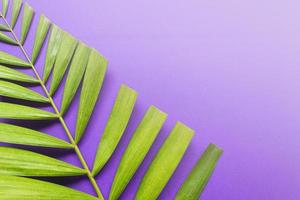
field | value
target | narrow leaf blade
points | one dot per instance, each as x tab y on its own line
75	74
64	56
19	188
165	162
3	27
6	39
15	12
115	126
8	59
11	74
4	7
19	135
18	162
52	50
199	176
16	91
137	149
40	36
94	77
26	22
15	111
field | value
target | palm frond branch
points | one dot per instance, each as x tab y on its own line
85	69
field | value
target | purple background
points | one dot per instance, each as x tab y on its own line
228	69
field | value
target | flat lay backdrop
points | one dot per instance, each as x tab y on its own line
228	69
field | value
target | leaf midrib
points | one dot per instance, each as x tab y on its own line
61	119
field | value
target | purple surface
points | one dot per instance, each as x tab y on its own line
228	69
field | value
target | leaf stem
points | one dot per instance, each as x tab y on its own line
61	119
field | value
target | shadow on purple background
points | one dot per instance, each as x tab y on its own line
228	69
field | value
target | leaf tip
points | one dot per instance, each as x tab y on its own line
180	125
128	88
216	148
155	109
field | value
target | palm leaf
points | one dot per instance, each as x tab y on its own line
198	178
75	75
115	126
137	149
94	76
165	163
4	38
19	135
15	111
64	55
40	36
19	92
4	7
14	75
26	22
8	59
3	28
34	164
52	50
15	12
86	68
17	188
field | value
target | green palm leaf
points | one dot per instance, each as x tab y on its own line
115	126
8	59
64	55
17	188
137	149
15	12
94	76
26	22
20	135
4	7
15	111
75	75
198	178
165	163
14	75
52	50
3	28
40	36
33	164
19	92
4	38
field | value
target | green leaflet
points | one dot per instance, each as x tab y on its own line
19	188
19	135
19	92
15	111
26	22
199	176
53	47
3	27
64	56
137	149
11	74
18	162
4	7
8	59
40	36
75	74
15	12
6	39
91	87
165	162
115	126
